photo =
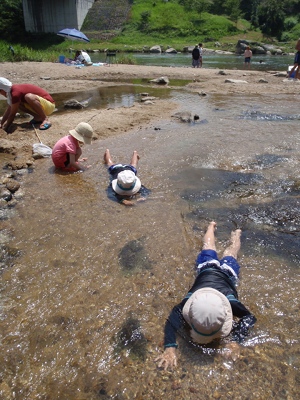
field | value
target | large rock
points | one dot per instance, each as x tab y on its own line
238	81
163	80
155	49
171	51
257	48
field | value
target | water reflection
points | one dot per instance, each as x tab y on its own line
76	325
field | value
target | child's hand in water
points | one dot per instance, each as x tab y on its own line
231	351
127	202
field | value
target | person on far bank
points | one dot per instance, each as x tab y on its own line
247	57
126	186
208	309
296	66
67	151
201	54
27	98
196	57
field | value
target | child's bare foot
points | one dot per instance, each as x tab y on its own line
107	157
235	244
209	237
213	224
135	153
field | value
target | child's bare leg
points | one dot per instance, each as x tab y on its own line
134	159
209	237
235	245
107	158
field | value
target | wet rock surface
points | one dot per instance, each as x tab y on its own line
133	256
131	338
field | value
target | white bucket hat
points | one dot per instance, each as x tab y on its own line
127	183
6	85
83	132
209	314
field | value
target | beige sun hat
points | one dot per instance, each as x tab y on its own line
209	314
127	183
83	132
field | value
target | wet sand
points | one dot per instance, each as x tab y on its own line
59	78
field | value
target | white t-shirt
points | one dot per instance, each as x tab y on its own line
86	57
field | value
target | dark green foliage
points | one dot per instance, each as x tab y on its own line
290	23
12	21
144	23
271	18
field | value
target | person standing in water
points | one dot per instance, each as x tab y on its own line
201	54
208	309
196	57
296	66
247	57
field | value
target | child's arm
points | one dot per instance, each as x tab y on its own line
75	164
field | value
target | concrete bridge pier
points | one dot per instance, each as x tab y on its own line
51	16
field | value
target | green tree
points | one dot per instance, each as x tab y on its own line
271	18
198	6
144	22
12	26
232	8
217	7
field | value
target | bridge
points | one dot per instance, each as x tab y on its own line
50	16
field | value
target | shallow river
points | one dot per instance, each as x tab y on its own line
83	305
260	62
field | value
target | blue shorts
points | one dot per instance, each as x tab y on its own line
247	59
114	169
210	255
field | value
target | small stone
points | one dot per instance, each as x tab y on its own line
216	395
5	194
12	185
176	385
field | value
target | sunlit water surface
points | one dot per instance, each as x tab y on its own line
84	304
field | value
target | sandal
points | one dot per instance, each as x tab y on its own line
44	126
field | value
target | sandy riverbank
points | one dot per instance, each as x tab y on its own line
58	78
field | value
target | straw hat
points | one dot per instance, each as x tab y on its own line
127	183
83	132
209	314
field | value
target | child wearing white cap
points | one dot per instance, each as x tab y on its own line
211	303
125	184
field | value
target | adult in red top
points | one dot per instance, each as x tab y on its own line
27	98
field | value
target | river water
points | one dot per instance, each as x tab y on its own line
84	302
210	60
